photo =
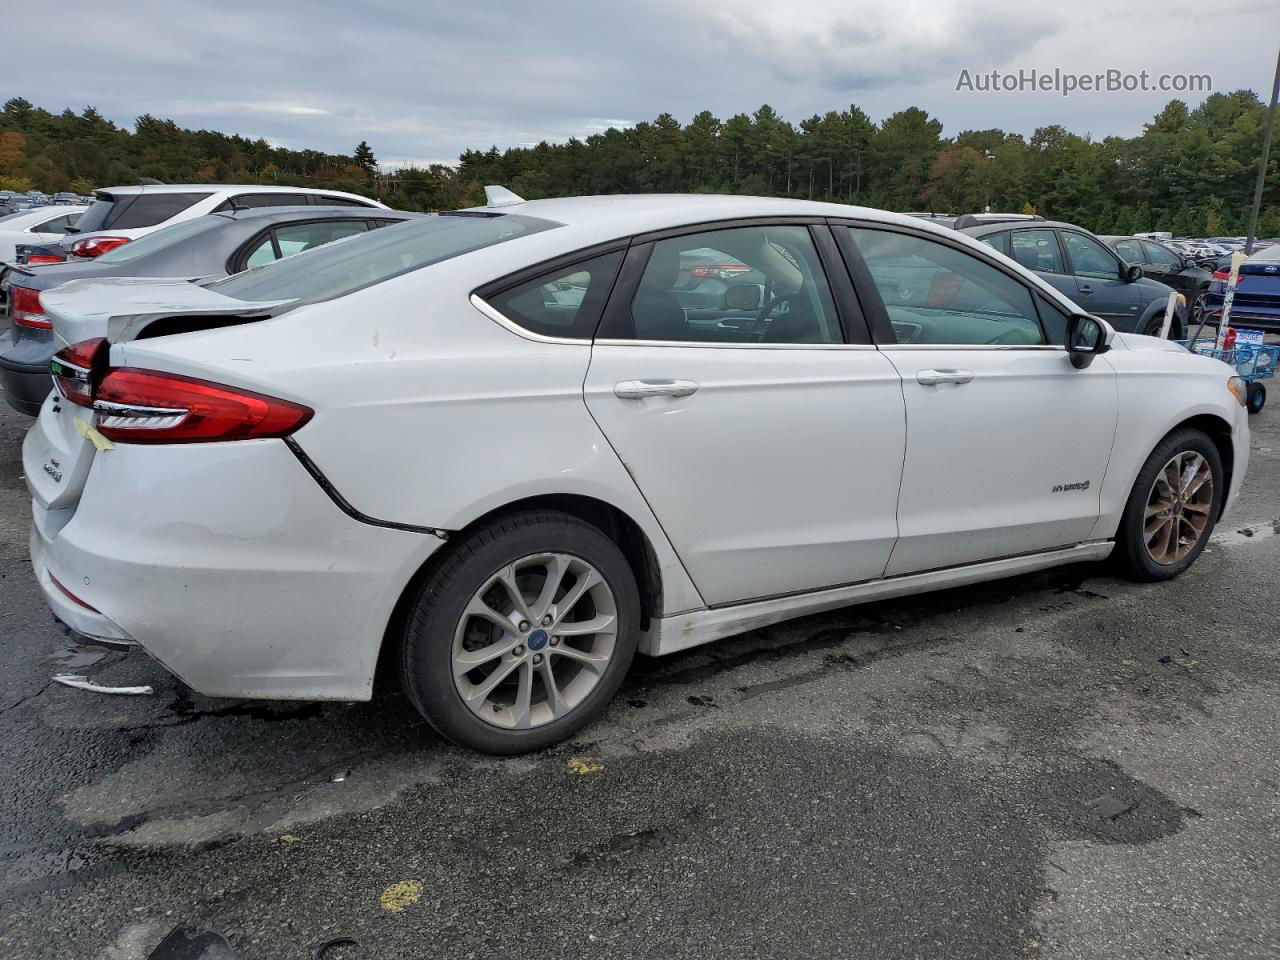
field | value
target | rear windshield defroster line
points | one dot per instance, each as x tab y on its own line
350	264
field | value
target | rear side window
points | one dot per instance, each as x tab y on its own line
566	302
338	269
245	201
298	238
133	210
341	202
997	241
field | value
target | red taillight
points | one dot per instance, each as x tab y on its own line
76	600
27	309
720	271
146	406
1222	276
77	369
96	246
36	259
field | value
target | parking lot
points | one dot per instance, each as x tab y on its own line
1062	765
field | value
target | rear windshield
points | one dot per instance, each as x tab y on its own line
161	239
1268	254
128	211
344	266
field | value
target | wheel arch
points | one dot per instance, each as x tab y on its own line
1219	431
615	523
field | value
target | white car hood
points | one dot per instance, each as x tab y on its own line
1136	341
118	308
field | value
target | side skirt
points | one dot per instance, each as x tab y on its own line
685	630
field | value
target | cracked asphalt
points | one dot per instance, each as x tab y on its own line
1063	765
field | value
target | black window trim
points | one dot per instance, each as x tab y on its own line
849	315
873	304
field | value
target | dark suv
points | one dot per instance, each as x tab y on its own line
1086	271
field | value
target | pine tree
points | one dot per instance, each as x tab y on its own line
365	159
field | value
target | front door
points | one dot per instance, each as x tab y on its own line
1102	287
769	448
1007	442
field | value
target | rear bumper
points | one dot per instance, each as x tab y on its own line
229	565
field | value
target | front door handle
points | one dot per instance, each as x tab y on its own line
640	389
931	378
1086	289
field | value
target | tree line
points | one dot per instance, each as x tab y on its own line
1190	171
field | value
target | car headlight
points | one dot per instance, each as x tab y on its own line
1239	389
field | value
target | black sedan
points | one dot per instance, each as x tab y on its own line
1168	266
211	246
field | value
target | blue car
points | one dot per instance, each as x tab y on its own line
1257	301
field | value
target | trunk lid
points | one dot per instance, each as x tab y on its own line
59	449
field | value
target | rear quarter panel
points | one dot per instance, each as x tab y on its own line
427	412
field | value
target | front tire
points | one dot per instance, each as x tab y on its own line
1256	397
1172	508
522	635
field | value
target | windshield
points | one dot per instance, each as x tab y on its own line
344	266
161	239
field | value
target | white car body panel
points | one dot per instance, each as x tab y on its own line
249	575
991	464
780	474
25	228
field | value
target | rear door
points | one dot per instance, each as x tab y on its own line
1007	442
770	448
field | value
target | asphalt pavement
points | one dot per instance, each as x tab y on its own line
1063	765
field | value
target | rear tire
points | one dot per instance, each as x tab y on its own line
1170	514
476	660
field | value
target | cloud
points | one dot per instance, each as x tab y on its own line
431	78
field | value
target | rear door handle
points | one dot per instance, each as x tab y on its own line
640	389
932	378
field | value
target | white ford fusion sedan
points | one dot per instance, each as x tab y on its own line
504	449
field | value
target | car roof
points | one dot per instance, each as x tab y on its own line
316	212
219	188
982	229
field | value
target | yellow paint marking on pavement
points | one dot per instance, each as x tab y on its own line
584	765
400	895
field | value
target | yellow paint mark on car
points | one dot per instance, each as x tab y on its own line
90	433
400	895
584	765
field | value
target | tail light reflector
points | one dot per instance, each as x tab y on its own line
96	246
74	599
77	369
146	406
27	309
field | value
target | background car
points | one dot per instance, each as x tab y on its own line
1166	265
37	225
1257	299
120	214
205	247
1083	268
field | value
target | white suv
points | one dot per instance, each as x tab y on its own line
120	214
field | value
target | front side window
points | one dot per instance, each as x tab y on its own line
1089	258
936	294
1130	251
1161	256
335	270
57	224
740	285
1037	250
563	303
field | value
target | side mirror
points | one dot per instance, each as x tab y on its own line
1087	337
1132	272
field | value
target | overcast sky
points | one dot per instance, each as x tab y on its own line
421	80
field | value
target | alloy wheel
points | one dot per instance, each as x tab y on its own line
1178	507
534	640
